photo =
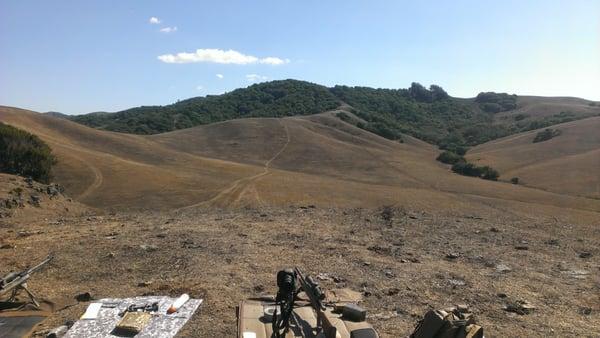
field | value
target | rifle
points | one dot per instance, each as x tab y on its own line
14	282
316	297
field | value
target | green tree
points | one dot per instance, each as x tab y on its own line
22	153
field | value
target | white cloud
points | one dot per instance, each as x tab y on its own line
199	88
220	76
256	78
220	56
168	29
274	61
154	20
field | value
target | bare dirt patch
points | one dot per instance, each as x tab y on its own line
404	261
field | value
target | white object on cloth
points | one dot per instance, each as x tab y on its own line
161	325
178	303
92	311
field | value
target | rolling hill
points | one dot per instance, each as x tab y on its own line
428	114
568	163
317	159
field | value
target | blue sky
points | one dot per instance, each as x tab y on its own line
83	56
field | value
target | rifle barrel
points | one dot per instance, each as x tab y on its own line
14	279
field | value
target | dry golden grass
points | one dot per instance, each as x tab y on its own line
274	162
566	164
270	171
538	106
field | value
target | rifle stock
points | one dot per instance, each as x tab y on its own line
315	295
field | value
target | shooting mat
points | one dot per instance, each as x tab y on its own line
161	325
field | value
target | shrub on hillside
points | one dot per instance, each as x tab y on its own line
546	135
469	169
343	116
449	157
520	117
514	180
466	169
268	99
496	102
488	173
24	154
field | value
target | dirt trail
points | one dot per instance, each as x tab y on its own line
236	190
98	179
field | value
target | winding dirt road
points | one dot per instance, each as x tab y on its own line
233	193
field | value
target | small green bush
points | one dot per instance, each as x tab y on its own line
22	153
514	180
449	157
343	116
546	135
488	173
469	169
520	117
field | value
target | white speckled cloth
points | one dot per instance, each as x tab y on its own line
162	325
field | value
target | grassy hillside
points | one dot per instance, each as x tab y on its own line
429	114
271	99
299	160
567	163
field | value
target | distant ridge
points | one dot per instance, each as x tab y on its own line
57	114
297	160
429	114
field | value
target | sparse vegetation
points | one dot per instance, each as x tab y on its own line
520	117
269	99
514	180
496	102
469	169
24	154
449	157
343	116
546	135
461	166
428	114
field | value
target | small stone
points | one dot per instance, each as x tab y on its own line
393	291
577	274
35	200
503	268
521	247
144	284
149	247
457	282
83	297
7	246
110	255
389	274
494	229
586	311
585	255
452	255
323	276
501	295
521	307
366	263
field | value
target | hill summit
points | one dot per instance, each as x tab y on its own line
429	114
